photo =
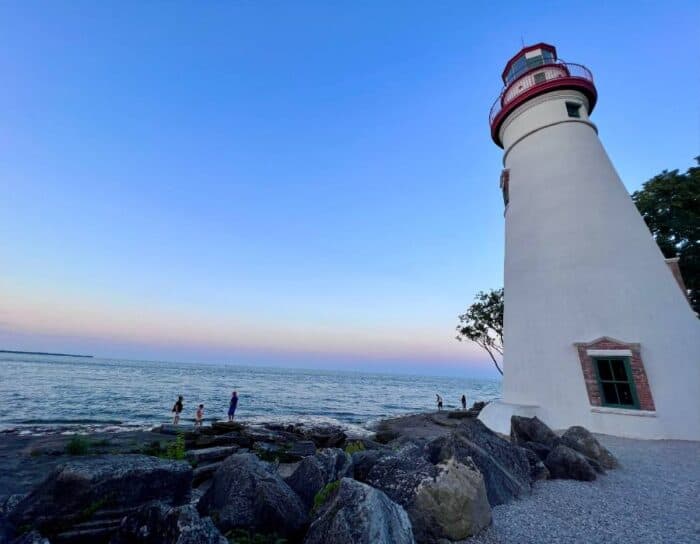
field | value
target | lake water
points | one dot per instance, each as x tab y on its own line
40	393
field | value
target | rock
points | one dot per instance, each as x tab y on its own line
455	505
313	473
7	530
386	435
531	429
540	450
363	461
580	439
228	439
538	470
204	472
326	437
563	462
301	449
10	503
443	501
100	488
32	537
360	514
158	523
208	455
505	467
225	427
247	493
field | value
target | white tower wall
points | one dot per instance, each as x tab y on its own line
581	264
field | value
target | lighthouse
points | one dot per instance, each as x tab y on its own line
597	331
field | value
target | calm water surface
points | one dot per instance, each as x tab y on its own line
44	392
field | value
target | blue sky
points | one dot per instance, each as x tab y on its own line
301	183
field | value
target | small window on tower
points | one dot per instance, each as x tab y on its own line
573	109
505	177
540	77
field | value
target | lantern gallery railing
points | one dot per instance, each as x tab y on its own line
540	75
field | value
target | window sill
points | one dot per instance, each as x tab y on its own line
622	411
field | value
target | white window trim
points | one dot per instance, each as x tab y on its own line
609	352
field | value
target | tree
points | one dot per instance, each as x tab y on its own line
482	323
670	206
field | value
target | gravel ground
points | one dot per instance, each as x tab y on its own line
653	497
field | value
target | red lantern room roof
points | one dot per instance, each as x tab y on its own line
529	48
536	70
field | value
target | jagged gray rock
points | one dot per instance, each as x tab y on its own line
158	523
359	514
101	487
247	493
563	462
313	473
580	439
505	467
532	429
447	500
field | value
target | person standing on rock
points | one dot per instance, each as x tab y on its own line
464	403
439	402
177	410
232	406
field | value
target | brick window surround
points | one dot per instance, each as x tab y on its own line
639	376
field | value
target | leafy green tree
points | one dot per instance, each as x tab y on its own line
482	324
670	206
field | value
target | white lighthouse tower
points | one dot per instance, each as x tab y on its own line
596	330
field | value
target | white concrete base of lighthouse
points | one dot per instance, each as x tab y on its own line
496	414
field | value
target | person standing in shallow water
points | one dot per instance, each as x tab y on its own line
232	406
439	402
177	410
464	403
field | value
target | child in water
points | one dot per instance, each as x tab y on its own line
199	416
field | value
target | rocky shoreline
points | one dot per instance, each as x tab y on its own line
425	478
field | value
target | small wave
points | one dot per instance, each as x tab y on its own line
66	422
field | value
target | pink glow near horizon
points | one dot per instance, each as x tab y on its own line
91	321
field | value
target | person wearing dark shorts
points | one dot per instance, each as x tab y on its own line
232	406
177	410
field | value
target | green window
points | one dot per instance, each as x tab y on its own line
573	109
615	382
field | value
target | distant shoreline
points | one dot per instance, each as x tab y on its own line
44	353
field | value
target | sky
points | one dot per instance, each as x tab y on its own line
301	183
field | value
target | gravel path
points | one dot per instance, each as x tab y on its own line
653	497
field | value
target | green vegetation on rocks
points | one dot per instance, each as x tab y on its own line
322	496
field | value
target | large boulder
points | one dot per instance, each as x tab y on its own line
505	467
158	523
565	463
247	493
580	439
363	461
531	429
314	473
447	500
101	487
359	514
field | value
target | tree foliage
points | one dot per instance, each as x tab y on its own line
670	206
482	323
